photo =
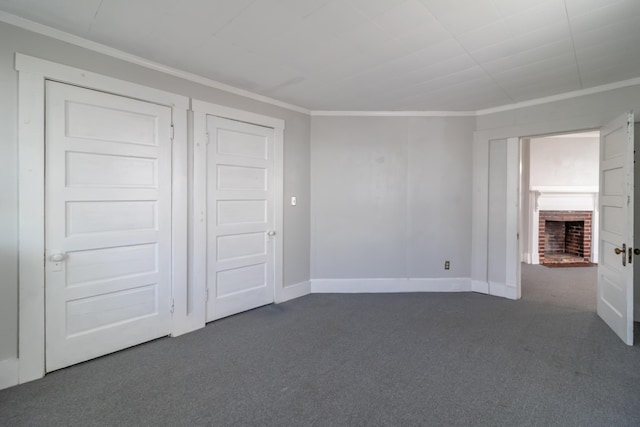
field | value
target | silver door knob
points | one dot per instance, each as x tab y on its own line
271	233
58	257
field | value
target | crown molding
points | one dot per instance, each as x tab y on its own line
486	111
394	113
137	60
560	97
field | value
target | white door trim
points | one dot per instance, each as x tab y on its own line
503	260
32	74
198	197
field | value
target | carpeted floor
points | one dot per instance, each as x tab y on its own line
574	287
363	360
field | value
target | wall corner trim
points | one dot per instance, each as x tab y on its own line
294	291
480	286
503	290
9	373
391	285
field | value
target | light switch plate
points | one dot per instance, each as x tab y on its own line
294	200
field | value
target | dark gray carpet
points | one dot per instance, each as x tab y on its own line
362	360
574	287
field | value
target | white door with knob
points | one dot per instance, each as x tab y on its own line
108	223
616	257
240	217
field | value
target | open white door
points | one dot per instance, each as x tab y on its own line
615	272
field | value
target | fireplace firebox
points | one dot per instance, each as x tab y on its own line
564	236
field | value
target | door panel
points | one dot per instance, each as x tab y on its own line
503	267
99	170
108	223
615	270
240	253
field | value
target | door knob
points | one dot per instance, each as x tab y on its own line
622	251
59	257
271	233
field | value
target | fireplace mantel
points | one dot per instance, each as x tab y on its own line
564	198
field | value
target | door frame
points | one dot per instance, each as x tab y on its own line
513	166
32	75
198	198
508	273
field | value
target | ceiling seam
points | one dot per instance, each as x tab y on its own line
504	91
332	84
573	43
95	15
233	18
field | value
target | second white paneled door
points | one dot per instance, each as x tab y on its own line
616	203
240	218
108	223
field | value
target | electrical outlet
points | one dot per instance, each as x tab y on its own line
447	265
294	200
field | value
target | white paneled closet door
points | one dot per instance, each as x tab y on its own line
108	223
240	217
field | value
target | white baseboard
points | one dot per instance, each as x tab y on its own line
354	286
502	290
480	287
294	291
9	373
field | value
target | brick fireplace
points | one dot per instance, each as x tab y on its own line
564	236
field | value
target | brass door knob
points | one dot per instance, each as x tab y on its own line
623	251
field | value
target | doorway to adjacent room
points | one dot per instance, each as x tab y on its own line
559	191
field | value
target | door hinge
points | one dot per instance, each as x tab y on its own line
173	132
172	305
208	138
206	295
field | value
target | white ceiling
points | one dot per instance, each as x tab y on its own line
453	55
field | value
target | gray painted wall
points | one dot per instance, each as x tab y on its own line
296	156
564	162
391	196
